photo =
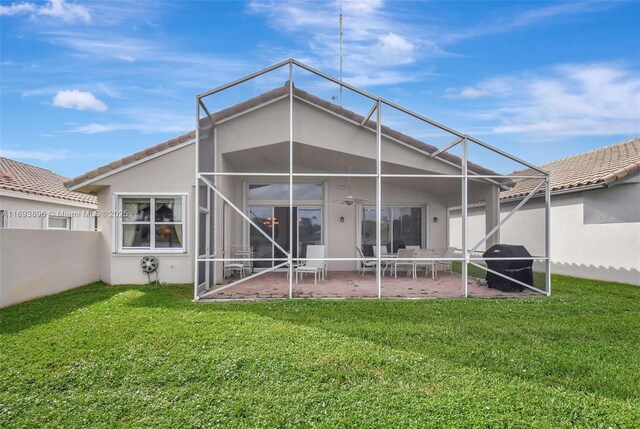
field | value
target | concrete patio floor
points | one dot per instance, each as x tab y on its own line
350	284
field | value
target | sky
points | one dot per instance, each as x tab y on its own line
84	83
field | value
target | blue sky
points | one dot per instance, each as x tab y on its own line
86	82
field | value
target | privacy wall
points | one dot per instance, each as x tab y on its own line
36	263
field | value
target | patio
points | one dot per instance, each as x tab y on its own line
350	284
286	171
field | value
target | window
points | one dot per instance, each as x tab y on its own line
57	222
3	218
152	223
399	227
280	191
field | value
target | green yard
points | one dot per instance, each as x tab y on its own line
104	356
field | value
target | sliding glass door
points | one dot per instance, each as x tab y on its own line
274	221
399	227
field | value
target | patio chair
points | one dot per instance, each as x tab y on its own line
366	263
446	265
382	251
405	259
427	265
314	267
244	253
413	247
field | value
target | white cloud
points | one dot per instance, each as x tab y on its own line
146	120
376	42
68	12
511	22
17	9
92	129
35	155
382	42
491	88
80	100
576	100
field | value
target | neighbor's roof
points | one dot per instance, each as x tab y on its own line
262	99
20	177
597	167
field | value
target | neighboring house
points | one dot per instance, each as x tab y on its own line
162	177
35	198
595	216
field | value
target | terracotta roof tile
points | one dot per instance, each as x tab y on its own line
20	177
600	166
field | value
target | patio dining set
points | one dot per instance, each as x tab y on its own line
411	259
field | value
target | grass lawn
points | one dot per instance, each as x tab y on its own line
146	356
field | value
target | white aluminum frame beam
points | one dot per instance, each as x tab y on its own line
241	213
378	102
244	279
508	278
446	147
366	118
508	216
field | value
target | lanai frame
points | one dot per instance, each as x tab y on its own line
208	179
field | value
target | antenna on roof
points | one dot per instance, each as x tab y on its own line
340	52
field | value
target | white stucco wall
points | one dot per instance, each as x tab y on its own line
603	251
170	173
35	263
241	143
27	211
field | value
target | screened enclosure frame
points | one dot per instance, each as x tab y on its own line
207	213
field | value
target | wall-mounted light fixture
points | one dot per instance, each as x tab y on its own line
435	219
341	219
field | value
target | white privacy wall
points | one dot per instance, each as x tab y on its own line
607	251
35	263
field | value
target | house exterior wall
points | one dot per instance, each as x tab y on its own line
171	173
313	127
580	247
27	211
35	263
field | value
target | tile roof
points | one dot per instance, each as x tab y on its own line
262	99
20	177
600	166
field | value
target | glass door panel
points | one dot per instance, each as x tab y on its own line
281	231
309	228
399	227
274	221
369	229
407	227
262	247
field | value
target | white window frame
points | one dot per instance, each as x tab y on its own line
118	230
67	218
4	219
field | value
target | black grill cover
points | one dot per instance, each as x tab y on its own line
519	269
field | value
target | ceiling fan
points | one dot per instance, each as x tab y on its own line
350	199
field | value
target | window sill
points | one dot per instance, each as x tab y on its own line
150	252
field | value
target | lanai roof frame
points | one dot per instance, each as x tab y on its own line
209	180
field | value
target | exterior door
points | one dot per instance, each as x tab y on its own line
274	221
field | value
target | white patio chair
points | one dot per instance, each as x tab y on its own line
382	251
314	267
413	247
404	259
427	265
244	253
366	263
446	265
